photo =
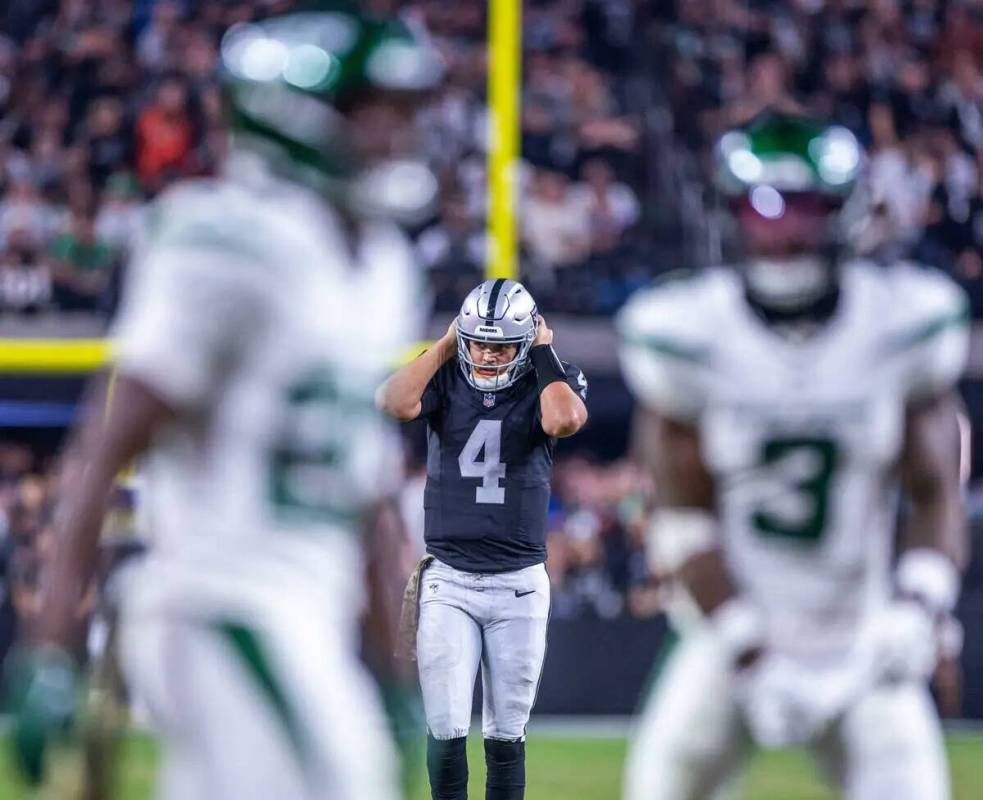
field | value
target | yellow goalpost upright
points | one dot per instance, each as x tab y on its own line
504	95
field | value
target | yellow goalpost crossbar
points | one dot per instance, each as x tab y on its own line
54	356
504	93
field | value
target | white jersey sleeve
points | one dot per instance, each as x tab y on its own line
663	354
931	330
193	299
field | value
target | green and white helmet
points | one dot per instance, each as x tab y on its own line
290	80
786	179
791	154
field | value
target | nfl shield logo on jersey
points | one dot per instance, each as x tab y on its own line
489	400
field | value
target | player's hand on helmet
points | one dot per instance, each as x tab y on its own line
43	685
544	335
448	342
778	702
905	641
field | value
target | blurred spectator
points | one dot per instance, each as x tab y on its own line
595	544
610	206
164	135
107	143
24	211
121	216
453	250
156	45
25	283
962	98
555	226
82	266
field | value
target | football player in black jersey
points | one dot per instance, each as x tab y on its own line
495	397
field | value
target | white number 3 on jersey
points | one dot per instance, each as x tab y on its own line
487	436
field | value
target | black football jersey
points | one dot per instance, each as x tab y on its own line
489	466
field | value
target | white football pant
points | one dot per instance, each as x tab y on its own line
495	620
691	744
270	708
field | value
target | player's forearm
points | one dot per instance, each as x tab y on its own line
930	469
74	562
938	523
934	541
684	544
399	397
108	441
707	580
562	411
384	579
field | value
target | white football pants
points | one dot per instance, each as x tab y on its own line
270	707
690	743
495	620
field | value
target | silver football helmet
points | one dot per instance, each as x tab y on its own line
499	311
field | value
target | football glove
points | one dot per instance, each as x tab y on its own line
779	703
904	641
404	711
43	683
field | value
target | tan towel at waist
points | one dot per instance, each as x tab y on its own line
409	615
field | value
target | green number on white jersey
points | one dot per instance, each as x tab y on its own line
804	466
311	462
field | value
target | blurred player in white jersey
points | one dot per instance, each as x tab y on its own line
785	403
261	313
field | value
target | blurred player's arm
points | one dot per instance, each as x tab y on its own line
936	523
384	537
934	539
43	674
107	442
401	395
683	538
562	411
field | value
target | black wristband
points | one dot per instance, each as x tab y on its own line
547	365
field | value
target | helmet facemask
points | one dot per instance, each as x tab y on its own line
788	244
503	375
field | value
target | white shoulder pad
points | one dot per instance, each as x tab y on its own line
930	329
664	348
207	214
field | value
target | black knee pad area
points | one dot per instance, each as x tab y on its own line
506	762
447	765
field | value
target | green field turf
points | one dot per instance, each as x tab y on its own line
573	768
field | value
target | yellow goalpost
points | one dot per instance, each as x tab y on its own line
504	94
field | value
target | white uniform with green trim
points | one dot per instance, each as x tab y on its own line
248	314
803	439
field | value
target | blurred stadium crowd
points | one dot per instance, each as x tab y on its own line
104	102
29	483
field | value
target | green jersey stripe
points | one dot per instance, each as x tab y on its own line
248	648
927	330
673	348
